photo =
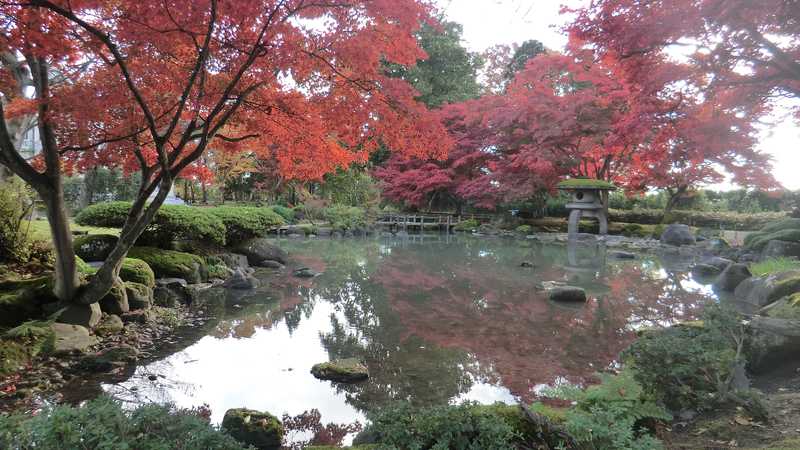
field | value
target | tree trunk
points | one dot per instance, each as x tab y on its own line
66	276
674	197
205	192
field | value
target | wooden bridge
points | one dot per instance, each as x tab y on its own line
427	221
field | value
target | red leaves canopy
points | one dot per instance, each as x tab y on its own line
295	80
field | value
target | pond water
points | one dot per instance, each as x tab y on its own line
437	319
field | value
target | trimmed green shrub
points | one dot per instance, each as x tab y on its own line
103	424
609	415
172	264
171	222
524	229
774	265
137	271
784	230
83	268
285	212
464	426
467	225
703	219
243	222
346	217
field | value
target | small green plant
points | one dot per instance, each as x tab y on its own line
633	230
103	424
467	225
774	265
611	415
463	427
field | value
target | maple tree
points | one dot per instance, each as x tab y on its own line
151	85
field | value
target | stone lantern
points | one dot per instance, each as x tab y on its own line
588	200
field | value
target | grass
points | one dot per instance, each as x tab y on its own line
40	230
773	266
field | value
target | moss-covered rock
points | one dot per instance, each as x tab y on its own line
94	247
348	370
116	300
259	429
139	295
172	264
24	342
22	300
787	230
83	268
109	325
137	271
761	291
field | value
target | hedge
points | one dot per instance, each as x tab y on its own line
346	217
172	222
726	220
243	222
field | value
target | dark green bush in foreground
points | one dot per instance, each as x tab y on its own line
692	366
103	424
285	212
244	222
171	223
463	427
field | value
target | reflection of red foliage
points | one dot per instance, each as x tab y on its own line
513	330
311	422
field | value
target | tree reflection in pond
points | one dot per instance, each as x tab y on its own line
435	322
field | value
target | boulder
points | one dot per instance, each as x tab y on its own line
305	272
241	281
348	370
262	430
785	308
234	260
777	249
705	271
269	264
622	255
22	300
109	325
170	292
110	358
527	264
567	294
94	247
137	271
116	300
261	249
772	341
677	234
140	316
139	295
71	338
761	291
77	314
731	277
172	264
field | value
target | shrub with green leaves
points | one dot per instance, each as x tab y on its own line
244	222
171	223
690	366
103	424
346	217
782	230
16	204
610	415
524	229
285	212
467	225
464	426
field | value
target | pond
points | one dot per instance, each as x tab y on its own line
437	319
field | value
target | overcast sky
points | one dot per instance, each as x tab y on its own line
490	22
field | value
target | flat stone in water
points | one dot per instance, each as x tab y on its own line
348	370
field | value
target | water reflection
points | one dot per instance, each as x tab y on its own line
436	320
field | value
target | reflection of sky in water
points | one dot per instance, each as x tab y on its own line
435	323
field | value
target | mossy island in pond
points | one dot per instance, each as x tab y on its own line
348	370
172	264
